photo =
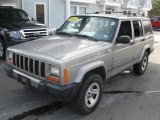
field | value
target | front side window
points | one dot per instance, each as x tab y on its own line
125	29
138	31
94	27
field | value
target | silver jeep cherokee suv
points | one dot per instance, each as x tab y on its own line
85	51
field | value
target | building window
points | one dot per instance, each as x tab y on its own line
73	10
40	16
9	5
78	10
82	10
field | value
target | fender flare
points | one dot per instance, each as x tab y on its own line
143	51
87	68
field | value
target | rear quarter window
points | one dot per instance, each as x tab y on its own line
147	27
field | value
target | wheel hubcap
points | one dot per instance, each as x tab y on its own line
144	64
92	94
1	49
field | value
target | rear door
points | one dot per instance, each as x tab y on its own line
138	38
148	32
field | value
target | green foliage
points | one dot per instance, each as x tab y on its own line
156	8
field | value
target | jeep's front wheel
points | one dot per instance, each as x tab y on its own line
141	67
90	94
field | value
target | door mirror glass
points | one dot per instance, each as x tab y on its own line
124	39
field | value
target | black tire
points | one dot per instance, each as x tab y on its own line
2	50
81	105
140	68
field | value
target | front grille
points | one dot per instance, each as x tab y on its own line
32	33
30	65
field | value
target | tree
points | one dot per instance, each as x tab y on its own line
156	8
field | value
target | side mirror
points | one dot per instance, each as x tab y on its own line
124	39
51	31
33	19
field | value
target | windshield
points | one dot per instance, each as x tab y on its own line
13	15
97	28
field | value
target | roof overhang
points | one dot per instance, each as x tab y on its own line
129	6
112	3
84	1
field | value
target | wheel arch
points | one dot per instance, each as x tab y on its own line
146	48
3	39
96	67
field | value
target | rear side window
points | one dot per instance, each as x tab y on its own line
147	27
138	31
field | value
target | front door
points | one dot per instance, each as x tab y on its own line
40	16
123	53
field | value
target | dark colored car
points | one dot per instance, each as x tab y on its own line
155	21
17	27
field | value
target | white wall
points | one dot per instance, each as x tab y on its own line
57	13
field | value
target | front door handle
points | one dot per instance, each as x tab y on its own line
132	43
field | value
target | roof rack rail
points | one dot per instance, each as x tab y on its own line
128	13
6	7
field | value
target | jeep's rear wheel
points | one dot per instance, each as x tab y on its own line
141	67
90	94
2	50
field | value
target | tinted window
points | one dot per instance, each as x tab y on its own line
138	31
125	29
13	15
147	27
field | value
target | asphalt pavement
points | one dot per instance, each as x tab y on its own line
125	97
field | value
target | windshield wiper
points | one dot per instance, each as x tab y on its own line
64	33
86	36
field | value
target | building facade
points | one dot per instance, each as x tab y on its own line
54	12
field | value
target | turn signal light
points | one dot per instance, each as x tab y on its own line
9	61
66	78
53	79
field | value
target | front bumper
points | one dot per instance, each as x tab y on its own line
62	93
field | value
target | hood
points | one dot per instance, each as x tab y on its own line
59	47
21	25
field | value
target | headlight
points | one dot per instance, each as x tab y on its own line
54	70
9	57
15	34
